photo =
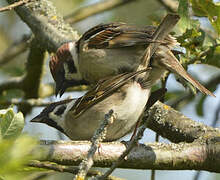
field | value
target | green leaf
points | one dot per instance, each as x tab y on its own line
213	56
14	155
208	9
183	11
11	124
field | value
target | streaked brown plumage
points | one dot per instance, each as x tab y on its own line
110	49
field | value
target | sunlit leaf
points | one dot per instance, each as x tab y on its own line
213	56
11	124
208	9
183	11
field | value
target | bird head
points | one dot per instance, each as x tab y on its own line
64	68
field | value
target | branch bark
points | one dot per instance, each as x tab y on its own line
202	153
183	156
46	24
176	127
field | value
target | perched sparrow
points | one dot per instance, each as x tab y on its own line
111	49
126	94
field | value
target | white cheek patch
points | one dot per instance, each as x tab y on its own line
73	52
60	119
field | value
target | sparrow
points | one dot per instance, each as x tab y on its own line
114	48
126	94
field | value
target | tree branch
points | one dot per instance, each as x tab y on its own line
174	126
97	138
14	5
87	11
34	67
46	24
28	102
201	154
182	156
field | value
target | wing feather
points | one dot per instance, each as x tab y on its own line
118	35
102	90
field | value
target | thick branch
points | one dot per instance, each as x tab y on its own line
183	156
174	126
34	68
45	23
93	9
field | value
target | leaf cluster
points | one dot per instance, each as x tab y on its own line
15	147
200	43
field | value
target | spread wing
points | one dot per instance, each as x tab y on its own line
103	89
115	35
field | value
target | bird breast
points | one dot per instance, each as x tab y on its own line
127	103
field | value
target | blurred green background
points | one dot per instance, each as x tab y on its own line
141	13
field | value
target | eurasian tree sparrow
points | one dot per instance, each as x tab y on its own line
111	49
126	94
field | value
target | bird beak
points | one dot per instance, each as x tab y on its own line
37	119
60	88
63	84
172	64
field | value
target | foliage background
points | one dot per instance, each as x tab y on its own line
141	12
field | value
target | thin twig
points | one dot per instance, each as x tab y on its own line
63	168
87	11
97	138
30	102
14	5
131	144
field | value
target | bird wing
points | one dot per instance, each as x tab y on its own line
102	90
117	35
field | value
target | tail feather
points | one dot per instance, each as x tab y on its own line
171	63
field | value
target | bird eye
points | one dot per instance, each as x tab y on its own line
60	110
